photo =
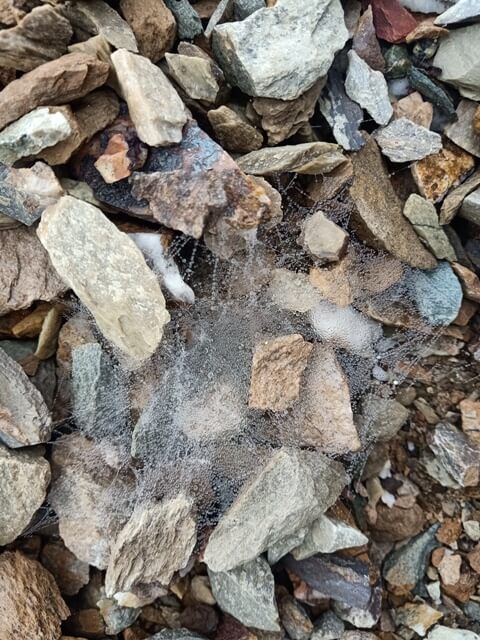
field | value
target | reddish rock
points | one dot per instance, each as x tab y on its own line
392	21
123	152
365	42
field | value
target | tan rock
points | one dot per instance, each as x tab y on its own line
70	573
57	82
415	108
277	369
469	280
199	78
466	313
233	132
31	325
418	617
153	25
310	158
96	46
25	581
426	29
85	248
449	567
333	283
47	340
322	238
470	410
114	164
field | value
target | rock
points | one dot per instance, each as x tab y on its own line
403	141
426	30
25	476
421	82
156	542
24	417
199	78
289	492
437	294
393	524
176	634
461	132
141	302
448	633
358	635
70	573
457	197
418	617
96	17
460	65
365	42
469	280
244	8
470	208
42	35
427	6
322	238
470	410
57	82
333	283
86	623
378	216
368	88
295	620
327	535
154	106
438	173
328	627
405	566
415	109
382	418
293	291
392	21
25	193
233	132
458	456
153	25
277	370
449	567
281	52
248	594
22	581
116	618
424	218
310	158
461	11
189	24
47	340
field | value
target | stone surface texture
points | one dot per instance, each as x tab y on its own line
462	131
327	535
153	25
322	238
233	132
368	88
415	109
424	218
199	78
403	141
437	294
460	62
310	158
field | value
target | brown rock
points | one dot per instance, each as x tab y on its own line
233	132
466	313
393	524
365	41
333	283
474	558
31	325
462	590
426	29
62	80
435	175
415	109
469	280
153	25
277	369
455	198
70	573
392	21
449	567
378	217
470	410
322	238
32	607
47	340
87	622
450	531
476	120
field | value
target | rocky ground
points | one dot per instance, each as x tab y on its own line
239	340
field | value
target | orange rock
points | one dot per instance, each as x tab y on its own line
426	29
114	164
476	120
450	531
470	281
470	410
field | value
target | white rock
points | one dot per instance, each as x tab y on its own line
403	141
327	535
459	60
446	633
322	238
368	88
428	6
460	11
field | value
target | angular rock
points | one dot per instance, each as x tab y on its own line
461	11
406	566
424	218
327	535
470	410
329	627
418	617
289	492
47	339
22	581
365	42
403	141
392	21
189	24
415	109
378	217
281	52
382	418
458	456
426	29
458	197
322	238
448	633
277	369
428	6
70	573
310	158
85	248
243	8
294	618
469	280
96	17
153	104
57	82
153	25
461	132
368	88
156	542
24	478
199	78
248	594
233	132
460	64
437	294
25	193
116	618
470	209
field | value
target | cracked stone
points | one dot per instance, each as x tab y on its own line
403	141
424	218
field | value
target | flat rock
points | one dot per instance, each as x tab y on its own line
289	492
461	11
327	535
424	218
418	617
470	209
459	62
199	78
457	197
437	294
403	141
153	25
24	416
60	81
457	455
280	52
233	132
310	158
415	109
406	566
24	480
392	21
322	238
448	633
469	280
189	24
23	580
461	131
378	217
70	573
153	104
365	41
71	230
248	594
368	88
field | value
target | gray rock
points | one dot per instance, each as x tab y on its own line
448	633
189	24
327	535
244	8
24	478
248	594
222	12
470	209
403	140
24	416
461	131
382	418
424	218
322	238
281	52
176	634
460	61
368	88
328	627
457	455
461	11
233	132
295	619
428	6
437	294
285	545
406	566
198	77
116	618
310	158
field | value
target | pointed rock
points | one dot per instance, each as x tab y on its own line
327	535
462	131
310	158
461	11
365	41
368	88
460	64
424	218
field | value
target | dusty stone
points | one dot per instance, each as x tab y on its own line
378	217
470	410
60	81
70	573
153	25
460	64
456	454
156	542
199	78
277	370
96	17
457	200
42	35
290	491
154	106
322	238
462	132
403	141
281	52
437	294
365	42
23	580
415	109
405	566
310	158
25	193
248	594
424	218
95	236
233	132
368	88
418	617
189	24
293	291
327	535
392	21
